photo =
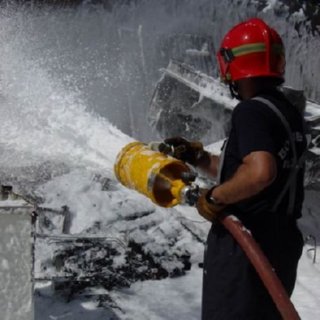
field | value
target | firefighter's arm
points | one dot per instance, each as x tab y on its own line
210	167
257	171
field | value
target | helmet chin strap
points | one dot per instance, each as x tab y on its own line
234	91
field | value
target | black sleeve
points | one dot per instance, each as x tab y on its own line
253	125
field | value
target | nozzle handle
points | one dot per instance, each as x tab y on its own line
191	194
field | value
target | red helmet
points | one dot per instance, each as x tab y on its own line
251	49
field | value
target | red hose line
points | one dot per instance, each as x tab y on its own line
262	266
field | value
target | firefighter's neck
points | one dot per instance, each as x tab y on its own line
251	87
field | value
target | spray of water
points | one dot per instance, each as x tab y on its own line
43	118
65	71
68	74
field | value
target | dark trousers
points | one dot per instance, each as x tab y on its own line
232	290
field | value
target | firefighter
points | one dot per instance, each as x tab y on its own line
259	177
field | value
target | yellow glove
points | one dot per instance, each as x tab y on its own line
207	208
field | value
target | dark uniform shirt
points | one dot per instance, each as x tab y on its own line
231	288
255	127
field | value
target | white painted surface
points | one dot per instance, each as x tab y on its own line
16	301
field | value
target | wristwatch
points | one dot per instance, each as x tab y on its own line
210	198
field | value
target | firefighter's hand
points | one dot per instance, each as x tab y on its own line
191	152
206	207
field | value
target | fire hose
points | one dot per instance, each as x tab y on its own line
167	182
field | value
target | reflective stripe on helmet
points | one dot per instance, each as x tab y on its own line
256	47
249	48
277	48
230	54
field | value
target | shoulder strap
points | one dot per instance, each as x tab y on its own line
297	163
284	122
221	160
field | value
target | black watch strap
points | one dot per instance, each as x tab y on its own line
210	198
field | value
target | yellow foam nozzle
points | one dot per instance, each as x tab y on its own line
156	175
